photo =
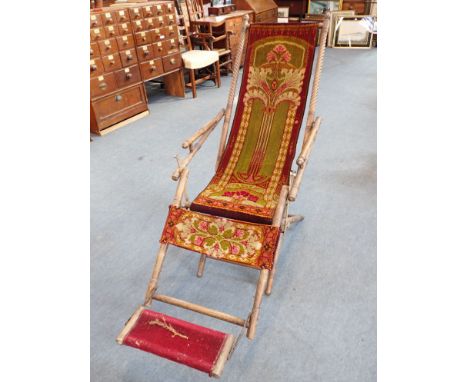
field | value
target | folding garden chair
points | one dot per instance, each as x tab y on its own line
241	216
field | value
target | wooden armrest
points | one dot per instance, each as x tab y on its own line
219	38
203	36
303	158
200	135
308	141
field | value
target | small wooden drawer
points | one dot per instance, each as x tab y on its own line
170	8
139	25
171	46
102	85
128	57
159	9
95	21
111	31
94	50
125	42
142	38
111	62
172	32
127	76
172	62
148	11
159	34
121	16
160	22
170	20
135	13
145	52
97	34
107	18
124	28
118	106
159	49
151	69
108	46
150	23
96	68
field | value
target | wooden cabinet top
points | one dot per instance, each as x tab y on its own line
258	6
222	18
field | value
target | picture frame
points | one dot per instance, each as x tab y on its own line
283	12
217	3
353	32
333	18
317	7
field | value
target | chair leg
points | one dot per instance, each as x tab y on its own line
218	74
155	276
291	219
201	265
262	280
271	275
193	83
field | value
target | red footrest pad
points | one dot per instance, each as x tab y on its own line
180	341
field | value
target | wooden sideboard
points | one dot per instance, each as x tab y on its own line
264	10
131	44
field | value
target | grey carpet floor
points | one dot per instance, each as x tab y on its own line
319	324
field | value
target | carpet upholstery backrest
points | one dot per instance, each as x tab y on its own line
262	142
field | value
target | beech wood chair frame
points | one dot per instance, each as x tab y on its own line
288	193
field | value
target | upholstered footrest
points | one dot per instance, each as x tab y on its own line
244	243
180	341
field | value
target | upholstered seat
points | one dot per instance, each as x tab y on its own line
249	244
197	59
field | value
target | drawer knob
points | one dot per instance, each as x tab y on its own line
118	98
129	75
102	85
172	61
153	68
129	57
146	52
93	67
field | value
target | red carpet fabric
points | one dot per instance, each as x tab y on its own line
249	244
177	340
262	142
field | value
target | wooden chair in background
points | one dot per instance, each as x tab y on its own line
209	33
196	59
